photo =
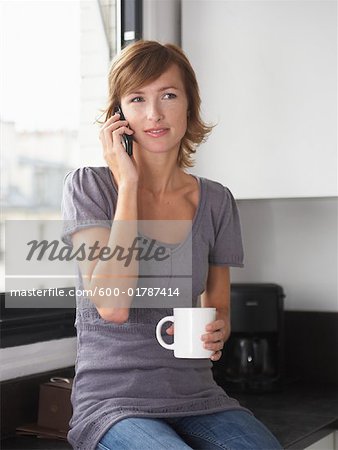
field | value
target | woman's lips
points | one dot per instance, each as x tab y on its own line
157	132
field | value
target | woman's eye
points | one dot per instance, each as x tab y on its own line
170	95
136	99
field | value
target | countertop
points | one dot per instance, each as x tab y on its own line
298	416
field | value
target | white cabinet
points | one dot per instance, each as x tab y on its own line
268	77
327	443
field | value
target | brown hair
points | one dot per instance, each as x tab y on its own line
143	62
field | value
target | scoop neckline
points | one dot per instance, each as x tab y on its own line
194	223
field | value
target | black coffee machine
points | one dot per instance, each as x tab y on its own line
252	358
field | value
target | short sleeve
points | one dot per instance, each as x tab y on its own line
228	246
84	203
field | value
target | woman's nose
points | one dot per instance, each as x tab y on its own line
154	112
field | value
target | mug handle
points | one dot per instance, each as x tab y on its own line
158	332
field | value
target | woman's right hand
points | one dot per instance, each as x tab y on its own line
120	163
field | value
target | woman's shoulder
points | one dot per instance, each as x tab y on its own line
214	186
88	192
216	191
88	177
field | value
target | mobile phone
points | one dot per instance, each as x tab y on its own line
127	140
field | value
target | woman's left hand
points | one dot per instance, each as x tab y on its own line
217	334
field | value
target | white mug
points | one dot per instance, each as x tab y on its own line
189	326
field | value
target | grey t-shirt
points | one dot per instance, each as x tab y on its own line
121	370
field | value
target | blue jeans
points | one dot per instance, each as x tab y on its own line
227	430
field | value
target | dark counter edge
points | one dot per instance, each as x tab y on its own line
314	437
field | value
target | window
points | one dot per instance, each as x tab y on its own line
55	57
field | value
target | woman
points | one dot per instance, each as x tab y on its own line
128	391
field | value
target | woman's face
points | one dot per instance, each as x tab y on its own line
157	112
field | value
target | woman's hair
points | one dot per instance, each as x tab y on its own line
143	62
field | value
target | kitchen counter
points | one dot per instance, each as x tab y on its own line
298	416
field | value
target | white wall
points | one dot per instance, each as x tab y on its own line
292	242
268	77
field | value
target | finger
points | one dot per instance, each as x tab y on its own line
114	118
121	130
112	123
114	137
214	337
170	330
216	356
109	127
216	325
129	131
215	346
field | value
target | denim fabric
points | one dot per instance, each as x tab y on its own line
227	430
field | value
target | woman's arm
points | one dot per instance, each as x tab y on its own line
99	275
217	295
105	273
